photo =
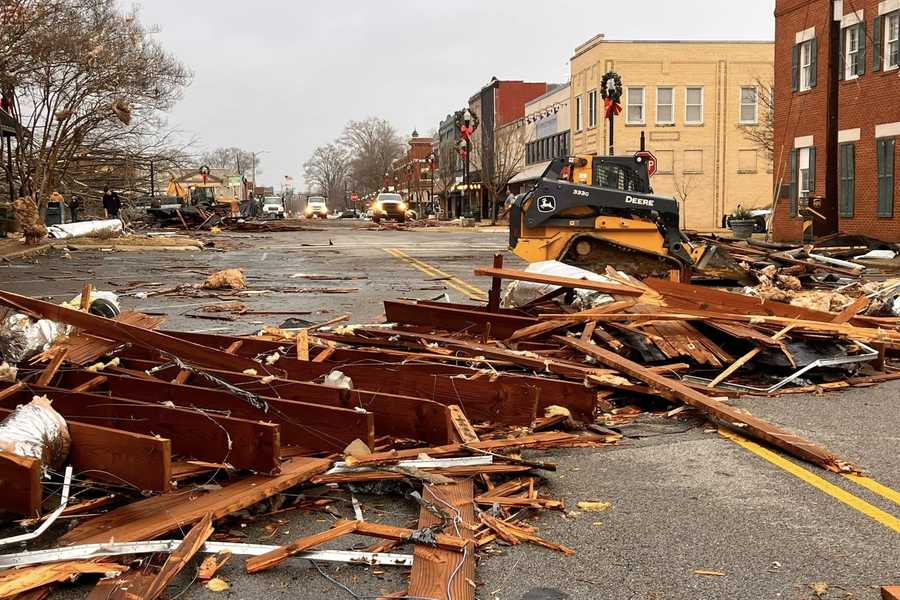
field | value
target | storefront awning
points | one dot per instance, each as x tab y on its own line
531	173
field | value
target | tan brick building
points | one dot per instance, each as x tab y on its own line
694	101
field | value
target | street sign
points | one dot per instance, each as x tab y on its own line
647	157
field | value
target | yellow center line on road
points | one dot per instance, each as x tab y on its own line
451	281
823	485
875	487
456	283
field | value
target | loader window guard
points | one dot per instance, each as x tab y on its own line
617	177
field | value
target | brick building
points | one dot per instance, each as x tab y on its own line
412	172
837	115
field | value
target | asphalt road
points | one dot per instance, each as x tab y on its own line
683	498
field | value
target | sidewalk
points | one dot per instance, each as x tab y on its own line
15	248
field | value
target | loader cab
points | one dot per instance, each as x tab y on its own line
624	173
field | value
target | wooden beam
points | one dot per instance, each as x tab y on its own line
20	480
152	517
86	291
194	434
90	384
447	318
328	428
744	359
122	332
282	553
119	457
52	367
613	289
496	284
437	572
402	534
750	425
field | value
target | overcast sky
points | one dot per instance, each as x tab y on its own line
284	76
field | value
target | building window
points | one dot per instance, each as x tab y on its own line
884	153
892	40
804	174
851	52
693	105
749	105
635	110
806	65
578	100
592	109
693	161
665	109
848	179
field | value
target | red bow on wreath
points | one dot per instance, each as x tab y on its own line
466	132
612	107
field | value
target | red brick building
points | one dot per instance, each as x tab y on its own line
412	173
837	116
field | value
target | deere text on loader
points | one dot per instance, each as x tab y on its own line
594	211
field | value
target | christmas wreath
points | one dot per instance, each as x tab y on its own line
466	131
611	92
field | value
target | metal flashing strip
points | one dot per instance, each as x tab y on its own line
88	551
64	501
869	354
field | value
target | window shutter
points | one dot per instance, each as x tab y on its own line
792	185
889	176
861	55
812	171
813	60
848	179
795	68
876	44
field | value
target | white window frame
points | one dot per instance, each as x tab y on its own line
592	109
742	104
850	52
687	89
671	105
805	65
803	166
892	18
579	123
628	105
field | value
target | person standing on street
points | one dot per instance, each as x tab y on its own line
74	204
111	204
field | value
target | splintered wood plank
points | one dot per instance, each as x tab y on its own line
740	362
53	366
90	384
752	426
567	282
435	570
150	518
179	558
282	553
20	482
461	425
450	542
18	581
303	344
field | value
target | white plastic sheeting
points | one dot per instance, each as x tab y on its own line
83	228
523	292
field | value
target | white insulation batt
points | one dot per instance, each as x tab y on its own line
84	228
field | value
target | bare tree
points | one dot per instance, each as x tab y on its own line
504	158
763	132
447	167
232	158
327	171
93	78
373	144
684	184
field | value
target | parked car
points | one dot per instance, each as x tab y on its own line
760	217
389	206
350	213
316	208
273	207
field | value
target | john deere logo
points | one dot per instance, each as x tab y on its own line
546	204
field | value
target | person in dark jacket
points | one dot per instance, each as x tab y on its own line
111	204
74	205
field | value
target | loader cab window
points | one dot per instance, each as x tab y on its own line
617	177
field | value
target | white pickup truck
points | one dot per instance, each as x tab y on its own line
316	207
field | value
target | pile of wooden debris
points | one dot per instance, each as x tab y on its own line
170	430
